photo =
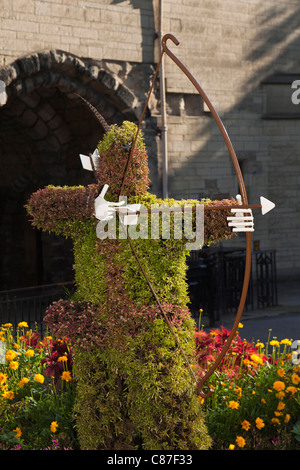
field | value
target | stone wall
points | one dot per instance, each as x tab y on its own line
245	55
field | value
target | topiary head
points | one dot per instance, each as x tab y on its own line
114	150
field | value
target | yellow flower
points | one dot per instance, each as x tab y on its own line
279	385
292	390
29	352
3	378
275	421
281	372
259	345
18	432
39	378
240	325
9	395
7	325
274	343
295	379
66	375
259	423
231	447
53	426
280	395
263	401
281	406
23	382
10	355
201	400
62	359
238	391
16	346
287	418
233	404
245	425
23	324
286	341
240	441
14	365
257	359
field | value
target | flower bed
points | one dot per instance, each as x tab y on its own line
255	404
36	391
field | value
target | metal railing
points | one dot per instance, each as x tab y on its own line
215	278
30	303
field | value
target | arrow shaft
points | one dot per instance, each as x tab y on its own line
193	208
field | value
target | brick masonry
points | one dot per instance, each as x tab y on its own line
109	50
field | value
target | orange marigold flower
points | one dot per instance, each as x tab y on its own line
10	355
53	426
240	441
295	379
281	406
18	432
14	365
259	423
291	390
245	425
233	404
39	378
281	372
23	381
279	385
275	421
66	375
9	395
257	359
286	341
29	352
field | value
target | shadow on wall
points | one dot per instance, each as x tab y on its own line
267	144
147	26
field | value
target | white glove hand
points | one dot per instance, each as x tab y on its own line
104	210
242	221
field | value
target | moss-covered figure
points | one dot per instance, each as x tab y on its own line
134	389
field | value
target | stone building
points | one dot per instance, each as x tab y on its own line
245	54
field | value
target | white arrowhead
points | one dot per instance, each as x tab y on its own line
266	205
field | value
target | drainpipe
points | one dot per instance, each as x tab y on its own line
163	112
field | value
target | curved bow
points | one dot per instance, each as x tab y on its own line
244	202
243	193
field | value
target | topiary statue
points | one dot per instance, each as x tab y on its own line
134	390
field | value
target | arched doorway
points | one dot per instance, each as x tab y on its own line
44	127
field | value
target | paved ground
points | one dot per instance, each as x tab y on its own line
283	320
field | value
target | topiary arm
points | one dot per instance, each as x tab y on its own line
56	209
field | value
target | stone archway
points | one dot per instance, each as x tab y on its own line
44	127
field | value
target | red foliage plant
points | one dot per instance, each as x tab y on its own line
210	344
